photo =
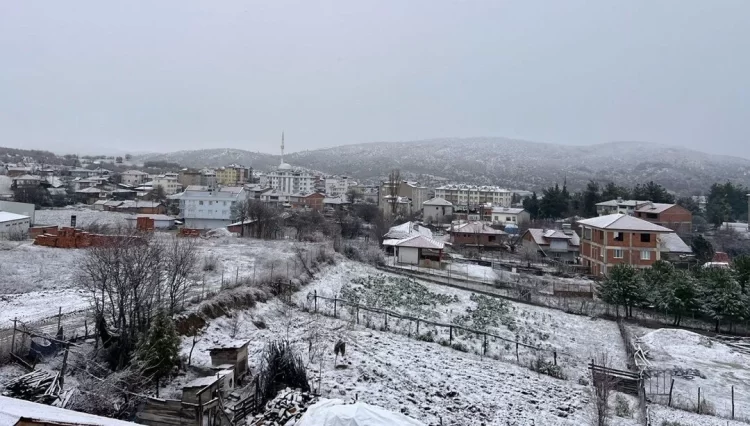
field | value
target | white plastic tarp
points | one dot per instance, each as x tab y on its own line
334	412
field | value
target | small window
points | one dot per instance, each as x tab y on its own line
587	233
645	238
491	238
200	203
645	254
619	236
507	218
618	253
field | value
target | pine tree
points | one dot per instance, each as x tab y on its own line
159	351
703	249
741	268
721	297
622	286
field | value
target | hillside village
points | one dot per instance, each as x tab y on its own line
158	294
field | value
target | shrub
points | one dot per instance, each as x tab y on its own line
540	365
281	368
622	407
260	324
210	263
460	347
427	337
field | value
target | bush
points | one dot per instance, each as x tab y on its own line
260	324
281	368
460	347
622	407
427	337
540	365
210	263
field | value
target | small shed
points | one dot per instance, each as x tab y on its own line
161	221
232	353
417	250
201	390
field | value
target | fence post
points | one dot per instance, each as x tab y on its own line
671	386
335	314
554	354
484	352
59	319
315	296
417	327
386	320
85	329
451	334
13	342
699	399
517	358
64	364
732	402
357	314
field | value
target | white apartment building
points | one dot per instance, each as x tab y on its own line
134	177
169	182
463	195
289	180
337	186
204	208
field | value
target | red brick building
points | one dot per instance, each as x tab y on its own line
672	216
618	238
312	201
477	234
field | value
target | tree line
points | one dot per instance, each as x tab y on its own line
718	294
557	202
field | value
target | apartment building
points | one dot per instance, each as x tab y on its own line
619	206
206	208
389	193
134	177
169	182
288	180
473	195
337	186
510	216
672	216
232	175
619	238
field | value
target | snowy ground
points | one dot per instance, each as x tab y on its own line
426	381
720	368
661	415
5	183
25	267
577	339
85	217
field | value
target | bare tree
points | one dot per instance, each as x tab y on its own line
240	212
180	258
603	386
394	182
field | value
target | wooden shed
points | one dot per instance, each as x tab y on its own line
233	353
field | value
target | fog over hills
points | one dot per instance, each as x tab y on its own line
498	161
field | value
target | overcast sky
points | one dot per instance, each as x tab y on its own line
166	75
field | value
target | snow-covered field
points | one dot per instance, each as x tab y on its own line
85	217
719	366
5	183
577	339
426	381
25	267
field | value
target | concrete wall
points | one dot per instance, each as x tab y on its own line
206	223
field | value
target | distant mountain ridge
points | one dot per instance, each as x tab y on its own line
498	161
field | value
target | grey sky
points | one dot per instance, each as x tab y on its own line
167	75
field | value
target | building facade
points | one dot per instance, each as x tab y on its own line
510	216
473	195
204	208
337	186
619	238
12	224
413	191
437	210
559	244
619	206
169	182
672	216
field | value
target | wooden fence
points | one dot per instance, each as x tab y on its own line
452	335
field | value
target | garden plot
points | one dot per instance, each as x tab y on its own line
85	217
697	361
576	339
422	380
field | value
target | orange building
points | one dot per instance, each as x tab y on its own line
618	238
672	216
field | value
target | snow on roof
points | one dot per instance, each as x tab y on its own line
473	188
618	202
27	177
334	412
416	241
245	222
622	222
8	216
201	382
509	210
13	411
150	216
337	200
100	202
437	201
674	244
134	172
654	207
408	229
89	190
477	228
541	236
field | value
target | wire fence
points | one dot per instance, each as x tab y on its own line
465	339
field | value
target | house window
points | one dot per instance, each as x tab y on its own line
507	218
514	218
491	238
617	253
200	203
587	233
645	254
645	238
619	236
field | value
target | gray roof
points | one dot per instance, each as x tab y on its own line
509	210
437	201
416	241
674	244
655	207
477	228
616	202
622	222
406	230
542	236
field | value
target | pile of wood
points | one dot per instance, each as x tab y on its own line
288	405
37	386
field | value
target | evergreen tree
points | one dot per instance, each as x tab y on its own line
555	202
531	205
741	268
689	204
591	196
158	352
623	286
702	249
721	297
670	290
613	192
